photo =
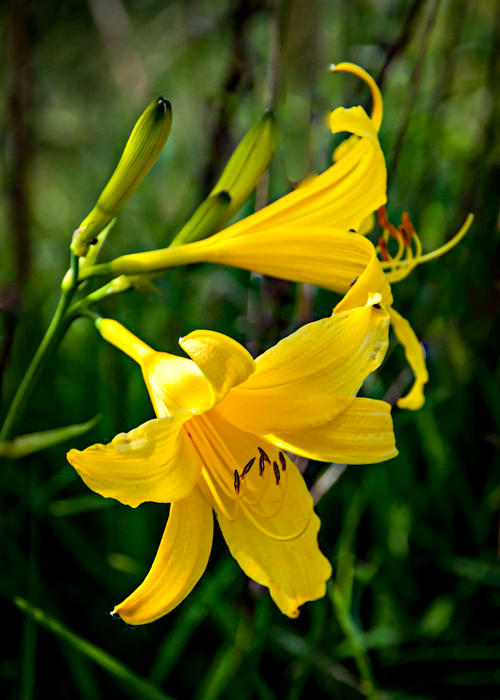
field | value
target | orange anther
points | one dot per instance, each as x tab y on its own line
384	252
408	226
382	217
404	235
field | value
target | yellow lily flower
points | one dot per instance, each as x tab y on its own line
302	236
224	426
314	234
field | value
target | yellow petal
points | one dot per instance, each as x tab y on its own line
377	107
320	255
370	280
223	361
179	563
367	225
114	333
415	399
176	384
153	462
342	196
294	570
361	434
300	381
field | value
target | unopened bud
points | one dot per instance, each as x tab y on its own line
240	176
248	162
209	216
143	147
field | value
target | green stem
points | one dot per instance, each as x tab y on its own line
99	270
54	334
354	639
115	286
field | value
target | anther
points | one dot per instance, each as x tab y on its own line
384	253
236	481
282	460
276	473
353	282
382	217
247	467
262	464
385	224
404	235
264	455
407	224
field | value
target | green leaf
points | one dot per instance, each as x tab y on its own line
133	684
25	445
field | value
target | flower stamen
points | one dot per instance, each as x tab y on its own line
215	495
277	474
282	460
409	253
264	455
274	535
262	464
247	467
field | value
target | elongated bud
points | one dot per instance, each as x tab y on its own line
209	216
143	147
248	162
240	176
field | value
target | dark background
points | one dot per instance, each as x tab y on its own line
413	542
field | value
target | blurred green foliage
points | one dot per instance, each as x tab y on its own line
413	610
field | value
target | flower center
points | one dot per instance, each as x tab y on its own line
253	487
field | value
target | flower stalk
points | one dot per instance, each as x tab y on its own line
53	336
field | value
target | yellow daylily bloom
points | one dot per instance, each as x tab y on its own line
315	233
225	423
302	236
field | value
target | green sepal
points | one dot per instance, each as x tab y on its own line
25	445
143	147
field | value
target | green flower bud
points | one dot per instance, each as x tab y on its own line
143	147
209	216
240	176
248	163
